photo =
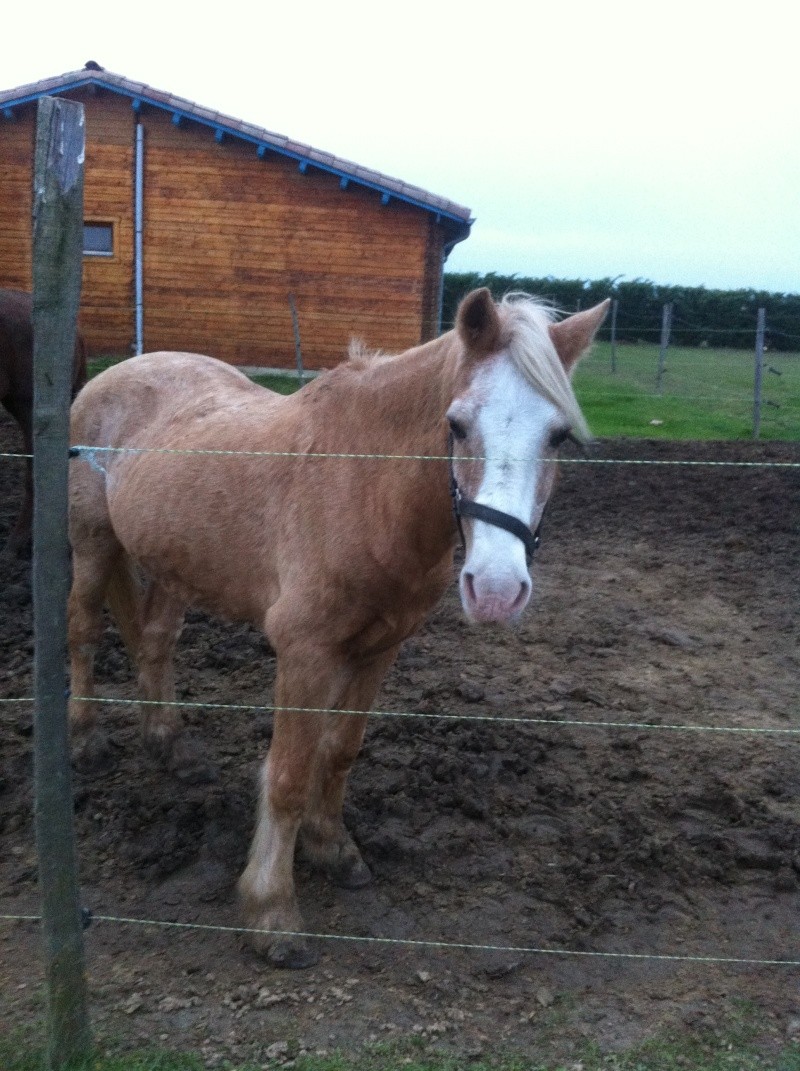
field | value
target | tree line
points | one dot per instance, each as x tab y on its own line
700	317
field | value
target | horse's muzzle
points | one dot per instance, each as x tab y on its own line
493	599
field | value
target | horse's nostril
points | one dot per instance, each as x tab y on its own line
522	596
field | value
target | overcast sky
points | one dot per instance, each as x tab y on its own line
659	141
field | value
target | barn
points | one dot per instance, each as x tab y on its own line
203	232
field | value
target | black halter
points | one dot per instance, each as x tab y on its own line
466	507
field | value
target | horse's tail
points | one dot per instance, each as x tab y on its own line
124	596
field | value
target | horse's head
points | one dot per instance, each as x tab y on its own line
513	407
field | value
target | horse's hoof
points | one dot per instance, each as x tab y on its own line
189	763
350	874
192	767
93	754
291	955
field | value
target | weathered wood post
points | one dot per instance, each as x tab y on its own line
666	325
759	370
57	250
614	308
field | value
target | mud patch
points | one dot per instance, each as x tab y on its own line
664	596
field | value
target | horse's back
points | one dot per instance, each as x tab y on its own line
152	397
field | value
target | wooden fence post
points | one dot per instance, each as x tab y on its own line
614	308
666	325
759	368
298	352
57	252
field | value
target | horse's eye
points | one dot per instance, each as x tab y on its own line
458	430
559	437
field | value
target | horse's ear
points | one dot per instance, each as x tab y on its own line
573	337
477	321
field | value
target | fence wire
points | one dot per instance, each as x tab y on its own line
88	452
410	942
500	719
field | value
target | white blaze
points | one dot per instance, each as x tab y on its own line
512	425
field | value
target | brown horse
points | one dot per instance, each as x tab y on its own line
16	393
338	559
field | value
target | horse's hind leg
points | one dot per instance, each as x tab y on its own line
95	557
19	539
161	622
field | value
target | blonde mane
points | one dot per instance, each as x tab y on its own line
526	323
526	338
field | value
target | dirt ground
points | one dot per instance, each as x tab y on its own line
664	596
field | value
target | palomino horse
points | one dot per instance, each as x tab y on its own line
337	559
16	392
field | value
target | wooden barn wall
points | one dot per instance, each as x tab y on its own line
107	296
106	312
229	237
16	192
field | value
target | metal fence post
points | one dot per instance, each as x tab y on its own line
759	368
57	249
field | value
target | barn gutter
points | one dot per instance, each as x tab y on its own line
138	245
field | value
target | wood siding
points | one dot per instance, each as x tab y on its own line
227	238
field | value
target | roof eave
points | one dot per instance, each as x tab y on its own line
457	221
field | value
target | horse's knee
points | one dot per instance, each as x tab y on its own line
287	790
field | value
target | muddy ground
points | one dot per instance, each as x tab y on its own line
664	596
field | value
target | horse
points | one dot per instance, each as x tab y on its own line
195	486
16	393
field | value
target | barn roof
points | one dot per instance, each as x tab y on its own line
455	217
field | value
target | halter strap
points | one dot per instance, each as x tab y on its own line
467	507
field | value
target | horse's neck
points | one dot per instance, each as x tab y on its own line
386	404
396	406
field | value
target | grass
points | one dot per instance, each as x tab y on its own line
731	1046
706	394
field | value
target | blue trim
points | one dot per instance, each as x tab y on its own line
262	151
177	118
8	113
136	104
220	132
344	182
302	167
385	199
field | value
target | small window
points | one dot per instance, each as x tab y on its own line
98	239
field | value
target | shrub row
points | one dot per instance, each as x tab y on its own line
700	317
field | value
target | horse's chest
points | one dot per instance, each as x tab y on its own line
403	608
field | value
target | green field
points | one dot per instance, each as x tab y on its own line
706	394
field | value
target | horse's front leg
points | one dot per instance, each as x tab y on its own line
267	888
324	840
302	786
